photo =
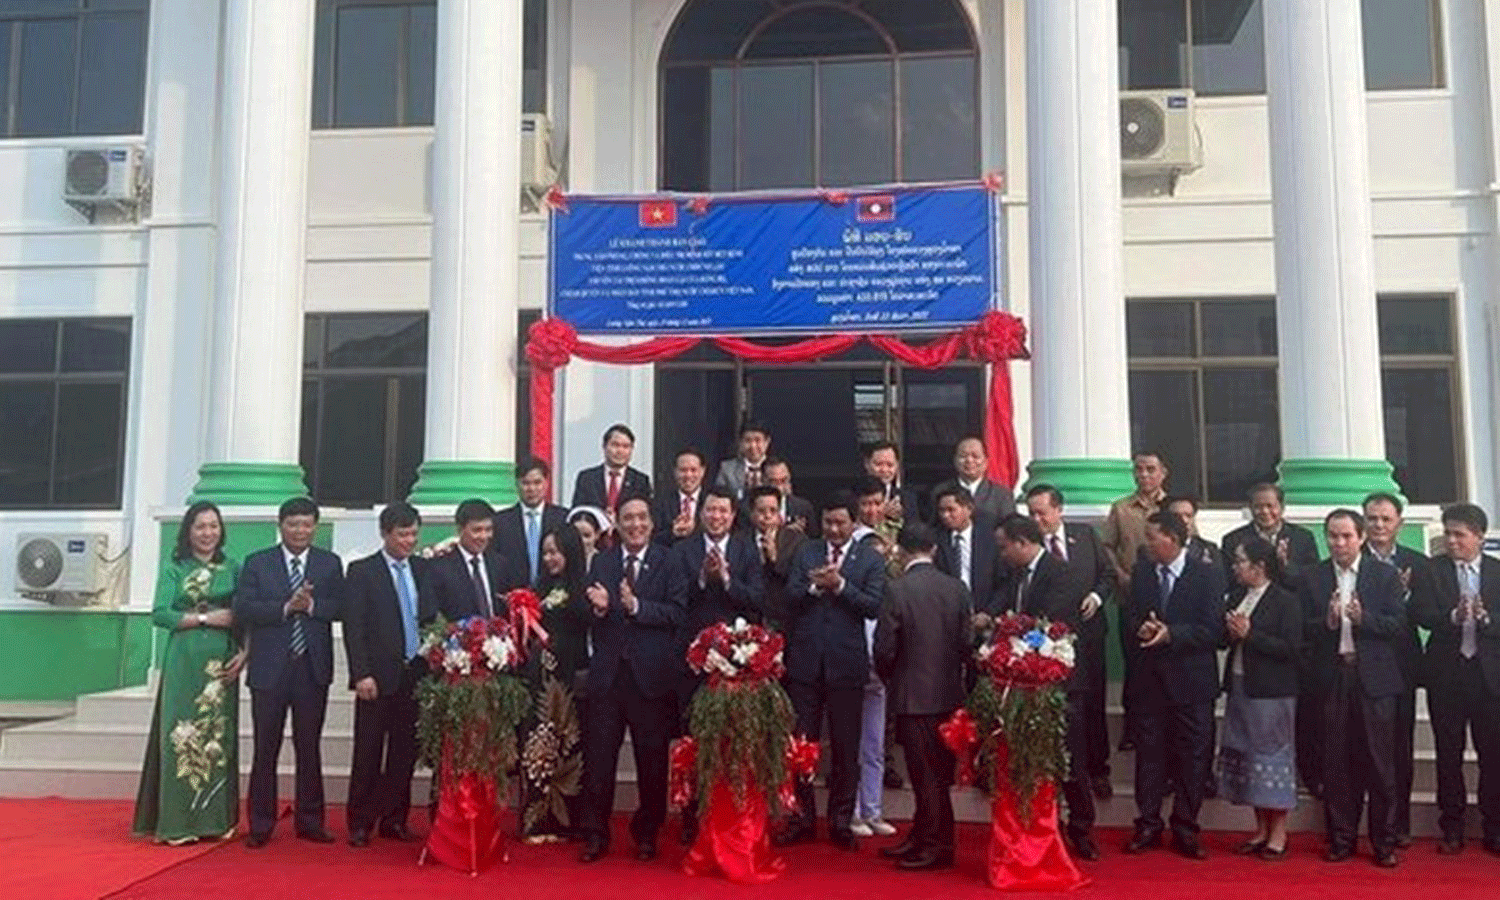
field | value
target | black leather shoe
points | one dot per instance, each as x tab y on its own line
1102	787
844	840
1188	847
1403	841
359	837
926	861
1084	848
397	831
1338	854
1250	848
1142	841
1450	845
645	851
316	835
900	851
794	835
593	850
255	840
1386	859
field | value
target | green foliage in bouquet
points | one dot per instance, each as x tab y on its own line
1024	729
742	730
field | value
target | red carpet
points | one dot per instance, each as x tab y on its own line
80	849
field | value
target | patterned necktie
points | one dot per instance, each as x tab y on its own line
533	546
299	637
408	610
480	594
631	563
612	498
752	477
1054	545
1469	642
835	553
687	506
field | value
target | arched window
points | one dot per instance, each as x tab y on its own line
818	93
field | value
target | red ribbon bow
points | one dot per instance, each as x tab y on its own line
683	772
961	735
526	618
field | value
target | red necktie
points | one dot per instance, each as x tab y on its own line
613	497
1055	545
687	505
752	477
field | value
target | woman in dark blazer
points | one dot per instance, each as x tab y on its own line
1263	633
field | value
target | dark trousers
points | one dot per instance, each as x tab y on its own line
1095	711
298	690
652	721
1406	728
1171	747
1308	737
1466	704
1360	759
1077	790
843	707
385	753
929	765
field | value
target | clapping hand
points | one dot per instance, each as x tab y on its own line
598	598
893	508
1153	632
1335	611
825	578
628	598
1237	624
302	599
768	547
682	526
1283	550
1354	610
713	568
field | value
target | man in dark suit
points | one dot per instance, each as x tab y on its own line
796	512
473	578
1462	668
1355	623
1041	584
519	528
1295	545
603	485
287	598
971	472
1078	545
1185	507
1176	613
384	610
1383	525
835	585
921	644
636	605
674	514
738	476
777	544
966	545
883	461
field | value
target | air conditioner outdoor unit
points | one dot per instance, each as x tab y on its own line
537	172
111	177
51	563
1157	133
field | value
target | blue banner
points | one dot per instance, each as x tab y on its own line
877	260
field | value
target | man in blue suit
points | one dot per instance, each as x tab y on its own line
288	597
1176	613
835	585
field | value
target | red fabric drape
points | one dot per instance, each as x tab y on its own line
466	832
734	840
995	339
1029	856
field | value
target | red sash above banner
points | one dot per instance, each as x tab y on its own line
996	339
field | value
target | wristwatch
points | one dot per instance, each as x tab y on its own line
202	620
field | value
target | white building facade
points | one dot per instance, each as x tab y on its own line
325	287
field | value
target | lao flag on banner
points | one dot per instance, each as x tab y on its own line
658	213
877	208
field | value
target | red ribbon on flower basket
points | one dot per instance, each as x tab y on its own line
526	618
682	772
1026	852
466	831
961	735
801	765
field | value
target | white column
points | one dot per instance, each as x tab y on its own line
1081	403
260	256
476	177
1332	426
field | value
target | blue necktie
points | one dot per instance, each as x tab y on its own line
408	609
1164	591
299	638
533	546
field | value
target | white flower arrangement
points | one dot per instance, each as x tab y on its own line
456	661
555	598
499	652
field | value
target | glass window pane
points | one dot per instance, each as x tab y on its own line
90	448
924	26
939	134
1242	431
41	7
28	345
1239	327
377	341
26	453
1419	426
1159	328
365	65
6	29
95	345
715	29
776	126
721	137
411	432
939	409
1401	41
44	101
312	342
307	441
351	441
1164	416
1229	47
421	64
1416	325
112	74
1153	44
816	31
858	141
322	91
534	57
685	102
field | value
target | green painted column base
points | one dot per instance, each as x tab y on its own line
447	482
248	484
1083	480
1334	482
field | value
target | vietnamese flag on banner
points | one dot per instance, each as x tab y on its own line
877	208
658	213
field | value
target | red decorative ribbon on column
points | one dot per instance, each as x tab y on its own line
995	339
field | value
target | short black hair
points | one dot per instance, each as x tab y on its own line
917	537
1169	524
755	426
472	510
763	490
868	485
1017	527
1189	499
297	506
399	515
957	492
1384	497
844	500
531	464
1354	516
1468	515
620	428
1151	452
627	496
872	449
1262	487
691	451
722	494
1052	493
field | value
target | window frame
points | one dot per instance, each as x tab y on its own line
1448	363
12	26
